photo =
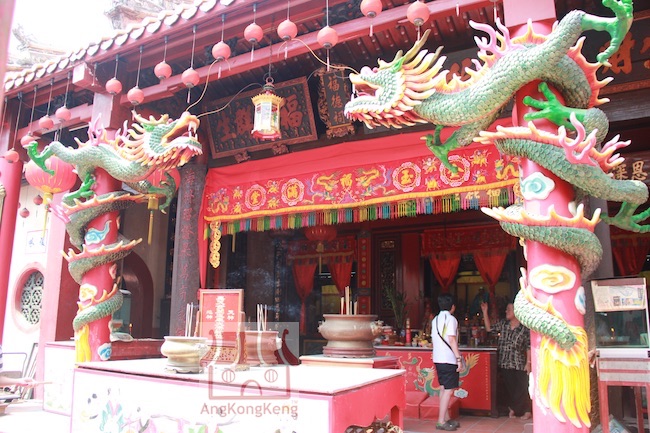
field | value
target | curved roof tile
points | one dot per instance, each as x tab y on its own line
134	31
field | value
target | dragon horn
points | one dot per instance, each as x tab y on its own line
417	47
137	117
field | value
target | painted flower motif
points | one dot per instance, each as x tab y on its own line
537	187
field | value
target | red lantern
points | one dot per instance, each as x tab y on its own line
135	96
221	51
253	33
287	30
156	179
63	179
113	86
190	78
11	156
327	37
38	200
320	234
418	13
371	8
46	122
24	212
63	114
162	70
27	139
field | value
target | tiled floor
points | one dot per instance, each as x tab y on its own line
28	416
473	424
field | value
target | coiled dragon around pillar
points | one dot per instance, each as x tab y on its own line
91	213
414	89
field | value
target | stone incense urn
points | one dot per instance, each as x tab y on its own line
261	347
184	353
350	335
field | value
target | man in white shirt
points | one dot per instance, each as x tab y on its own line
446	358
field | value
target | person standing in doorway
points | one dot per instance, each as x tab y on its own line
446	358
514	360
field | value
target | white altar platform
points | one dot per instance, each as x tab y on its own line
141	395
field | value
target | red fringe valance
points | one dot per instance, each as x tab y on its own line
383	178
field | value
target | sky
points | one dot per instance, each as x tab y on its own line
62	24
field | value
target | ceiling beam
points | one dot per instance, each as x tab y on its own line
346	31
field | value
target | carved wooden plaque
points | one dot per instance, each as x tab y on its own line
230	129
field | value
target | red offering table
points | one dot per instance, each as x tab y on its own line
633	372
479	382
286	398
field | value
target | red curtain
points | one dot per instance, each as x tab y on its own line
445	267
303	276
630	254
490	264
341	274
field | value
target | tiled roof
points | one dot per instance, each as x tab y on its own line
147	27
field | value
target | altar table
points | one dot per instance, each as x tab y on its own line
633	372
140	395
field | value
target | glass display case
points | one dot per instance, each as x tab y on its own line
621	308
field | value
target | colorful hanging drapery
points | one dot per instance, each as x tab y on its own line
380	178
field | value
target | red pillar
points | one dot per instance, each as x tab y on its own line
542	13
10	177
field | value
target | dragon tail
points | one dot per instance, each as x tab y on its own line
563	379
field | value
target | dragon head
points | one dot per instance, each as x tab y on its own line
163	143
387	95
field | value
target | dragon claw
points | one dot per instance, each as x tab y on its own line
439	149
626	220
551	109
616	27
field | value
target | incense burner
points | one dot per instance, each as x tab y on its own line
184	353
261	347
349	335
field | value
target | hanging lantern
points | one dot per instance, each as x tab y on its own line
320	234
46	122
156	179
24	212
327	37
162	70
63	179
135	96
418	14
63	114
190	78
28	138
221	50
267	113
287	30
371	8
11	156
253	33
113	86
38	200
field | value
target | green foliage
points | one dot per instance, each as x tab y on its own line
399	304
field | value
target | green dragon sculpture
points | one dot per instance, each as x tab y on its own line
150	145
414	89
